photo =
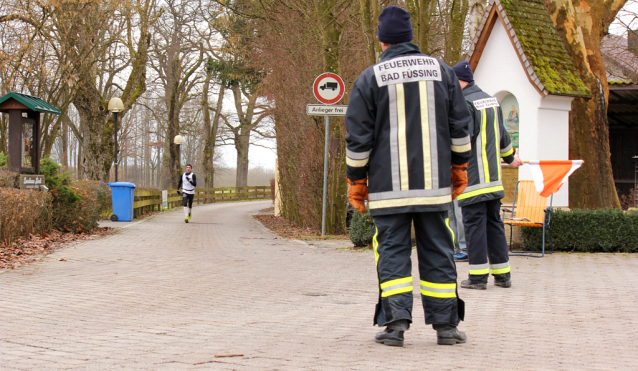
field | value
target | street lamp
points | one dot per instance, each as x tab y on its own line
115	106
178	142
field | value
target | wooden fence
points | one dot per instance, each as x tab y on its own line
150	200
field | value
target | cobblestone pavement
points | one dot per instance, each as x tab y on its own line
165	295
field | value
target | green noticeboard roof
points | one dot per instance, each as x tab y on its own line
32	103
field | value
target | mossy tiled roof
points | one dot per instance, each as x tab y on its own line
540	48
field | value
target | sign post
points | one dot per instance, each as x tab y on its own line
328	89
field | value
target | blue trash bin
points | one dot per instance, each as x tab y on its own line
122	197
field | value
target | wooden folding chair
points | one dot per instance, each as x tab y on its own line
530	210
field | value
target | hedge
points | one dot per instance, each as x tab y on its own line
23	212
84	214
361	229
602	230
9	179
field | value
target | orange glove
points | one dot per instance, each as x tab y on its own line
459	179
358	193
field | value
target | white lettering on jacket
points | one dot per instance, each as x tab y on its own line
407	69
485	103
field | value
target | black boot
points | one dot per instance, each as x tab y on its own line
503	280
468	284
448	335
393	333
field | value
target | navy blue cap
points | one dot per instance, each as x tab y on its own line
463	71
394	26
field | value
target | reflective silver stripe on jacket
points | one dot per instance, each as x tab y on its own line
378	196
357	159
434	150
508	148
357	155
461	145
425	135
394	143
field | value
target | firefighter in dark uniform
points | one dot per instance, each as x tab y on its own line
481	200
408	141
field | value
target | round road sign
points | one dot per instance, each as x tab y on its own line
329	88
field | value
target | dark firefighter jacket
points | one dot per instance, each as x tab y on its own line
407	122
490	143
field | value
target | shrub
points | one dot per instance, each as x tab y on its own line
58	184
9	179
603	230
83	215
627	200
362	229
23	212
3	160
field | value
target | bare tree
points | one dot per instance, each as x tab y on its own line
234	70
177	57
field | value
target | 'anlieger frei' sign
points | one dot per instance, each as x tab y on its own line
325	110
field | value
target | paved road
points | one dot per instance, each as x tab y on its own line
165	295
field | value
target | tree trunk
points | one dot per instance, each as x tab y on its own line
582	25
210	132
4	123
457	13
173	162
421	11
475	15
65	145
97	131
242	144
337	187
369	15
79	170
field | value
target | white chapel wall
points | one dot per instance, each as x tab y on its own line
543	122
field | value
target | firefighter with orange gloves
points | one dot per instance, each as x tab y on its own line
407	151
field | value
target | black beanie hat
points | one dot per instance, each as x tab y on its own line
463	71
394	26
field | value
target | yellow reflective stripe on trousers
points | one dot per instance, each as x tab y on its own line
438	290
500	268
447	223
486	165
375	246
396	286
479	269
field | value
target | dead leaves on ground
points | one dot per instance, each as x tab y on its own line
27	250
282	227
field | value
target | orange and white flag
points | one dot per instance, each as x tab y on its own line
549	176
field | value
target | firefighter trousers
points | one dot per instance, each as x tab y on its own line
437	271
486	243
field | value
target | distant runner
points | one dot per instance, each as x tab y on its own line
188	182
